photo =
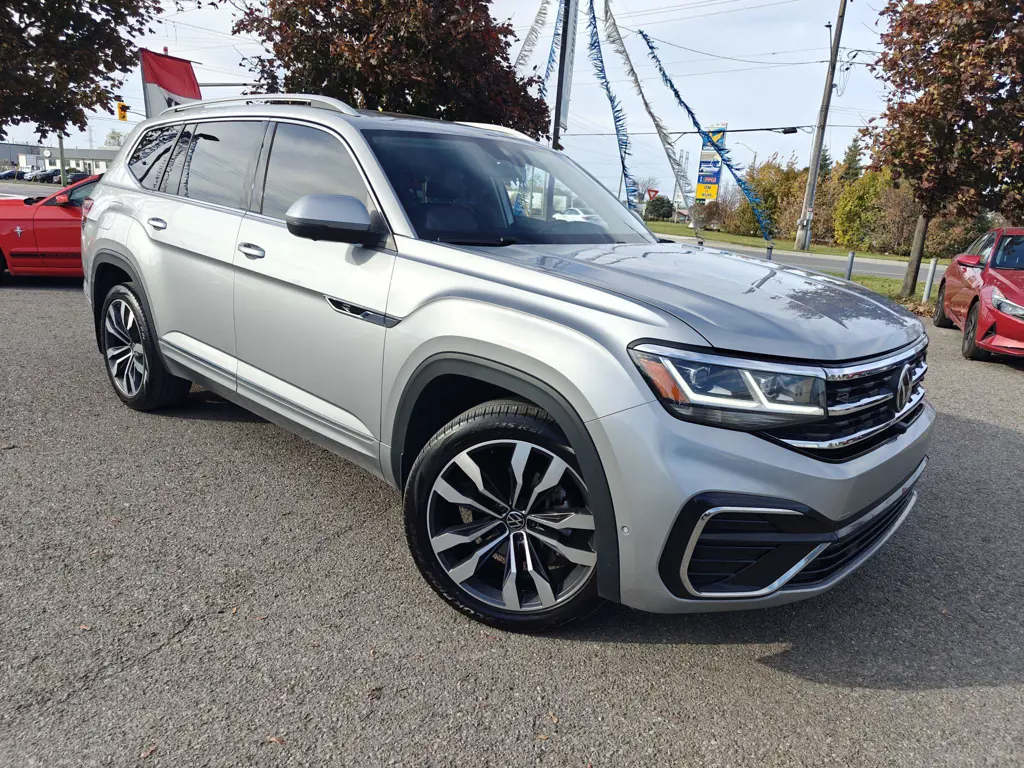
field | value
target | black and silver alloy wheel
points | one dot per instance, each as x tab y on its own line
508	522
498	522
122	341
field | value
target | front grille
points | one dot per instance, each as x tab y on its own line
862	408
837	556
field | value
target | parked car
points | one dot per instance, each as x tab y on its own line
51	176
77	176
43	235
982	292
12	175
576	214
573	410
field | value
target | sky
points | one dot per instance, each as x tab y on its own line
748	63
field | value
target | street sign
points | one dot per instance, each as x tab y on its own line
652	193
709	169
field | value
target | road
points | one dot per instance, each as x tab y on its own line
192	584
19	189
818	262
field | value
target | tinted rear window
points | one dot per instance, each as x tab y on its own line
219	161
150	157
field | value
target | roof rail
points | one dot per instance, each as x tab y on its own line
499	128
305	99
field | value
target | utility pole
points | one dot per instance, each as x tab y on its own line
60	154
562	60
803	230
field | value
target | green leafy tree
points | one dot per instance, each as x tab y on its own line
824	170
443	59
954	81
115	138
852	166
773	182
59	60
858	208
659	208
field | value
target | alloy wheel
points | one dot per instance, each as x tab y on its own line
508	522
126	357
970	329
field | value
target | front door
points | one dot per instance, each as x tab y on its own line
59	230
309	315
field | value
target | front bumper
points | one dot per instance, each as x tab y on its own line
999	332
666	474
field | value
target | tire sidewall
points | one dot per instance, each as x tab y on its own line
456	437
125	293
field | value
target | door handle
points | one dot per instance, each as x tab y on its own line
251	251
157	223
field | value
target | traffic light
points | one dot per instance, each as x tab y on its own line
122	111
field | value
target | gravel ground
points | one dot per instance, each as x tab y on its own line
200	587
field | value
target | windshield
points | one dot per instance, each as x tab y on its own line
1011	253
484	191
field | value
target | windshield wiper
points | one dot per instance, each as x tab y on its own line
497	243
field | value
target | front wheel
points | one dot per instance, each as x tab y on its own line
940	319
970	348
135	369
497	519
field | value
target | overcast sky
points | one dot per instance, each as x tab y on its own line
752	64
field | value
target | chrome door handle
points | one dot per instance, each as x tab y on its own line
157	223
251	251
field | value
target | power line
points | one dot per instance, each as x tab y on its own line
719	56
780	129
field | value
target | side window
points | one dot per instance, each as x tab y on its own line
150	156
218	162
77	195
307	161
1011	253
169	184
985	247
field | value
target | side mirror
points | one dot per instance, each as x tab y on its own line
63	200
337	218
968	260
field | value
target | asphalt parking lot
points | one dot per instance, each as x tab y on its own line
199	587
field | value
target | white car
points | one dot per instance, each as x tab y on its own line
578	214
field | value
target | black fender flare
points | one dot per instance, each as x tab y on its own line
122	263
536	391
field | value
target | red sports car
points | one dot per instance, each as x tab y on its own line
983	293
43	235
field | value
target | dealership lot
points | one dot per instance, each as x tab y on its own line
199	587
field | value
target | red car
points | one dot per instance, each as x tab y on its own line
43	235
983	293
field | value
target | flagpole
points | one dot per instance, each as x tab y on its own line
145	92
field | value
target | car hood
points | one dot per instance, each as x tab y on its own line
735	302
1010	282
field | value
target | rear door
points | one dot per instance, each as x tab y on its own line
189	223
309	315
58	229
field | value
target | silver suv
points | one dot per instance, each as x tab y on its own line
573	409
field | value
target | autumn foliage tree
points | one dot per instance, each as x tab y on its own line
444	59
954	77
60	60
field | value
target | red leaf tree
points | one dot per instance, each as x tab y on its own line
954	76
433	58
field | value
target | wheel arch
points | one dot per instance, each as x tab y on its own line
110	269
510	381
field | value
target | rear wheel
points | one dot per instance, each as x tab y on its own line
940	319
135	369
970	348
497	520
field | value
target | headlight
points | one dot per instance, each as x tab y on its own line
1006	306
732	392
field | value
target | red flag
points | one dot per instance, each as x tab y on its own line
167	81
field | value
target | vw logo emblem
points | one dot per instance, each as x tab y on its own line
515	520
903	389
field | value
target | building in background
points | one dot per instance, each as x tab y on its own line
29	157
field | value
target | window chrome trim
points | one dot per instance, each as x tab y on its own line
846	372
691	545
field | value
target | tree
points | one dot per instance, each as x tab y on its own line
858	209
115	138
824	170
954	106
658	208
443	59
60	60
645	184
852	166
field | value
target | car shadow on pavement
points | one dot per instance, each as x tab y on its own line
8	282
940	606
204	405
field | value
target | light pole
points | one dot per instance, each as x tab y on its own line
753	163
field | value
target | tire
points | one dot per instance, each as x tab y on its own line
970	348
491	551
134	367
939	318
